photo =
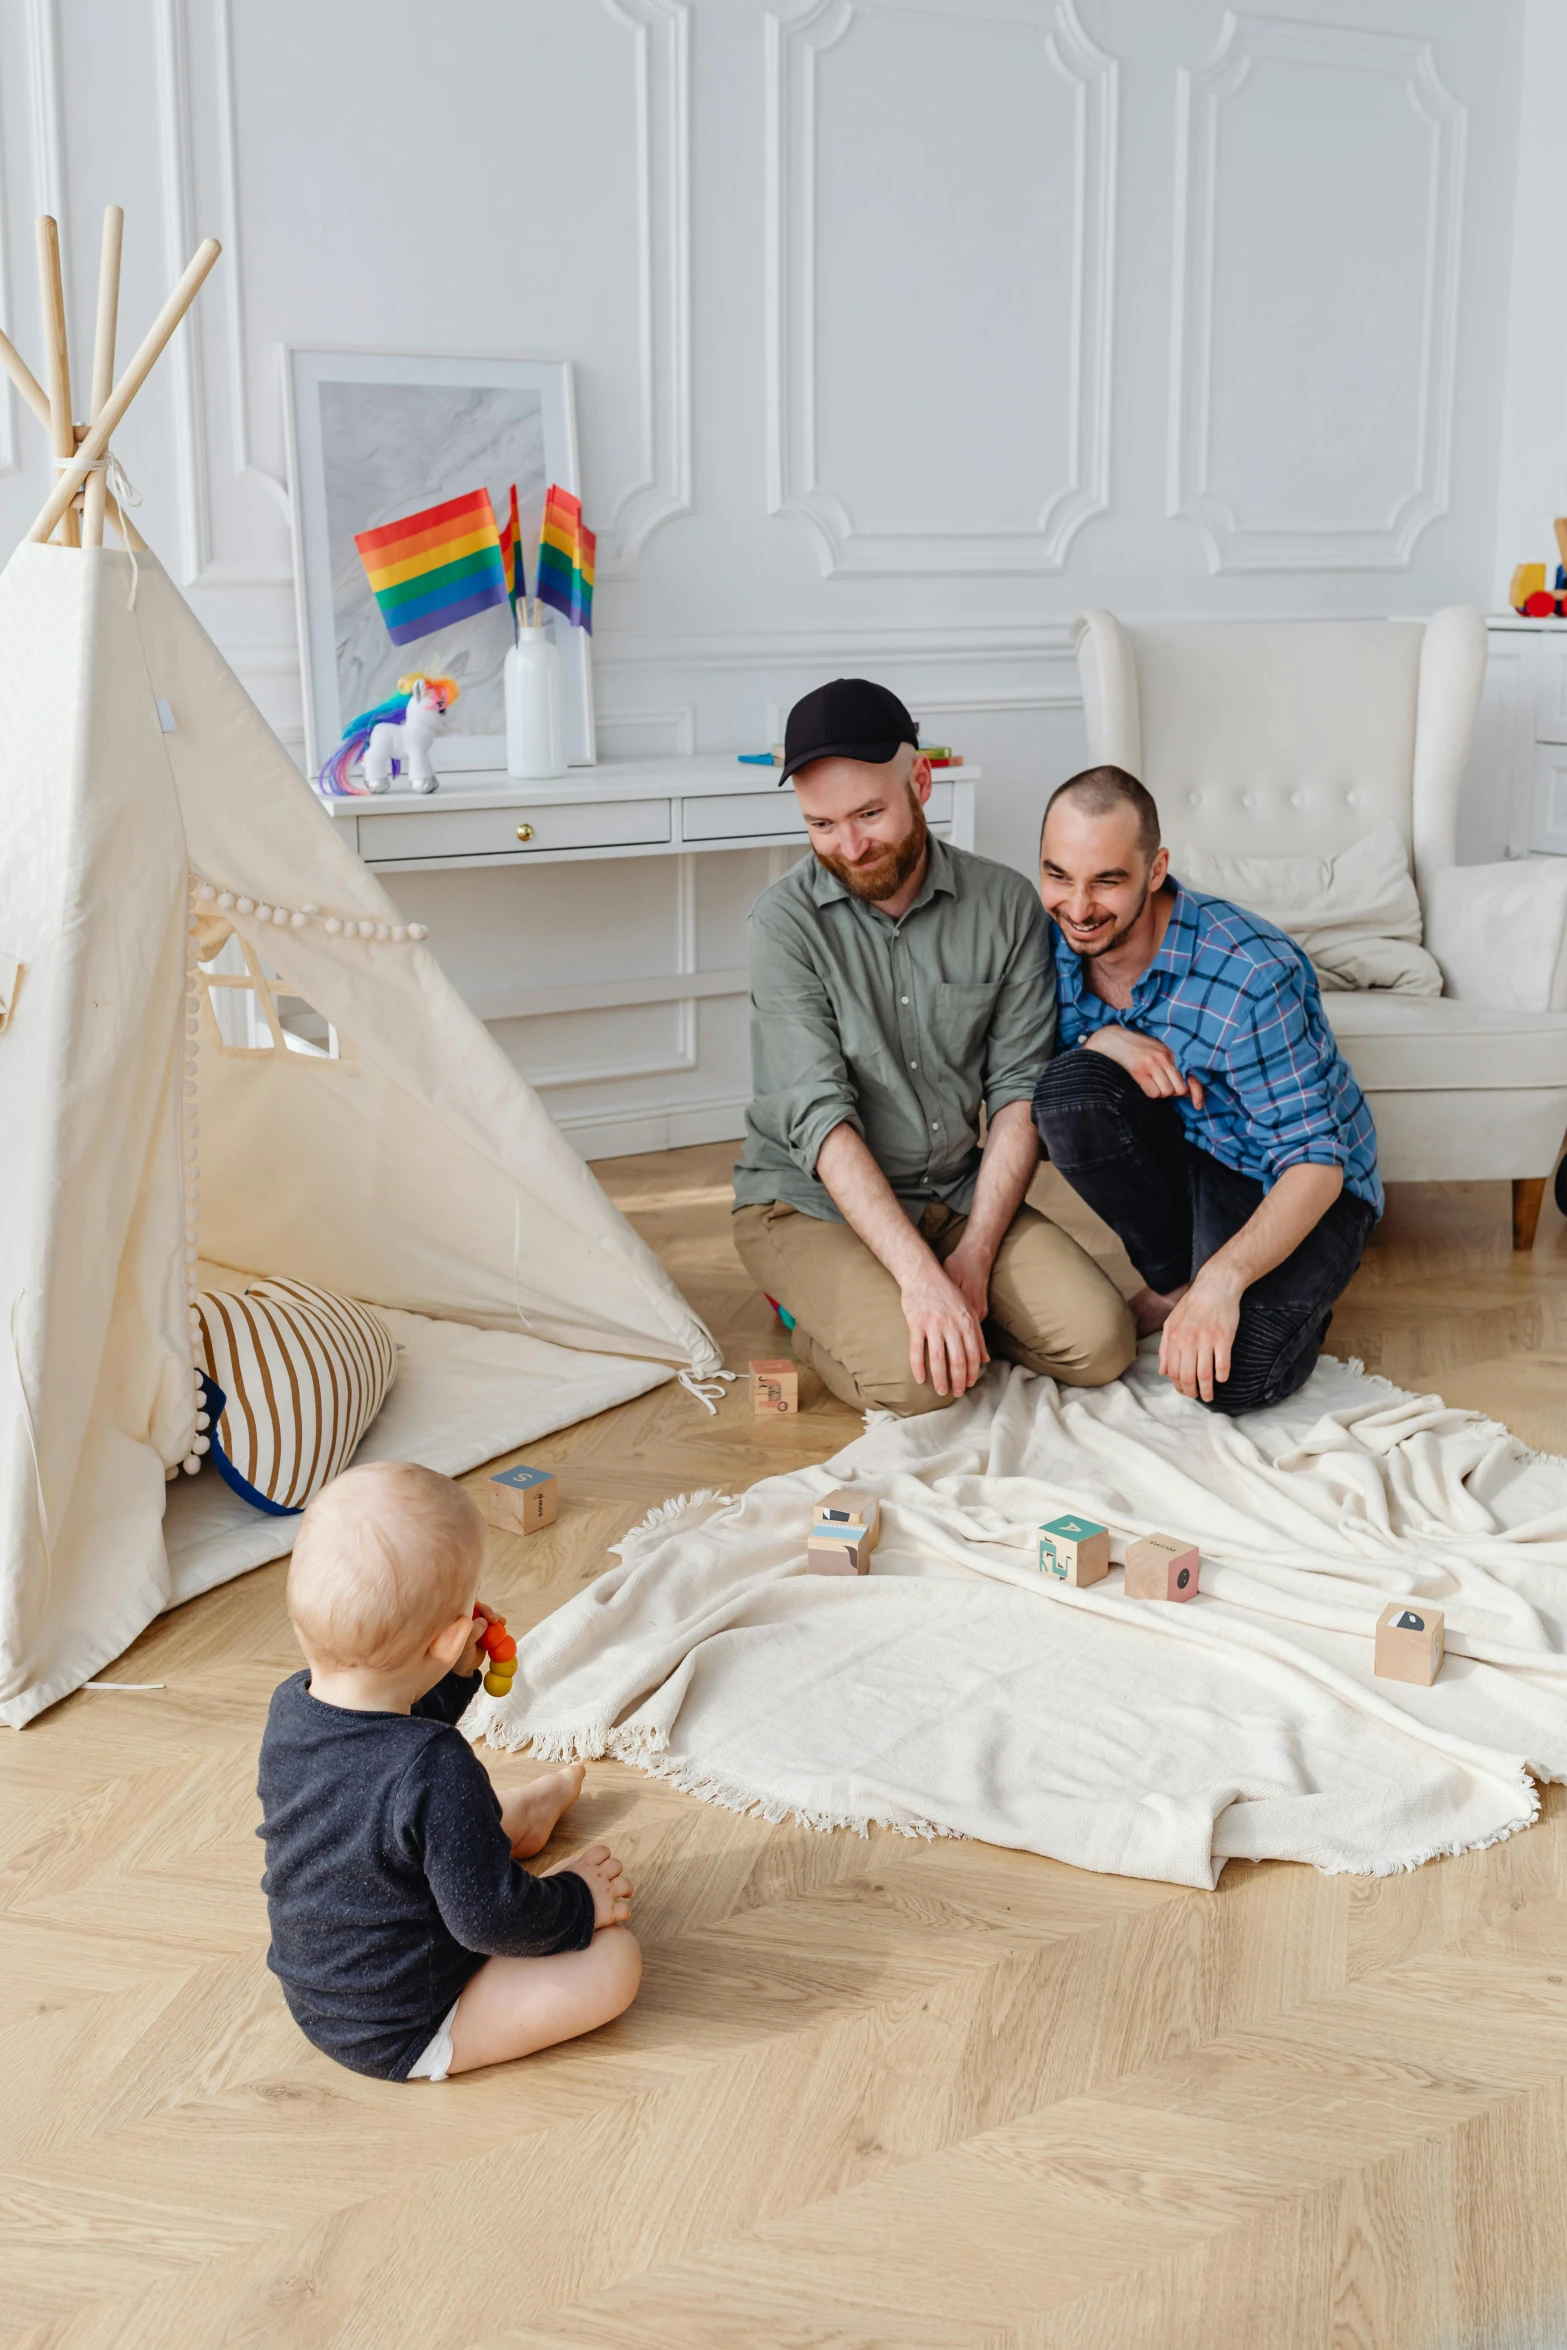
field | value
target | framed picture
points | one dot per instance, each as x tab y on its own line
375	435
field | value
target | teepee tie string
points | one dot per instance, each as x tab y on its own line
125	495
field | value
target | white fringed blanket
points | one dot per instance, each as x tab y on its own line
953	1691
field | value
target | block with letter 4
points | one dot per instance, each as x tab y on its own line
521	1500
775	1387
1074	1550
1409	1643
1162	1566
845	1529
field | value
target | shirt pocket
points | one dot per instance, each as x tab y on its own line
963	1011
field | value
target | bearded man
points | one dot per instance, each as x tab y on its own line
901	992
1202	1106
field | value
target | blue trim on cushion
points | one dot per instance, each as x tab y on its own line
213	1401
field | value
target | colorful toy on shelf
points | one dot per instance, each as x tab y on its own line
521	1500
435	567
775	1387
1162	1566
845	1529
499	1651
396	734
1409	1644
1074	1550
1527	590
1528	580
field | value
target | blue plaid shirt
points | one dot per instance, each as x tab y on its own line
1237	1004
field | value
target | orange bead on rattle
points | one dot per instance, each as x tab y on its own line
500	1654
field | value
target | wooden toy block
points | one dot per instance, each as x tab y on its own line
846	1508
521	1500
775	1386
1162	1566
835	1558
1409	1643
846	1542
1074	1550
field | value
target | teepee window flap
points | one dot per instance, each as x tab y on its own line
255	1012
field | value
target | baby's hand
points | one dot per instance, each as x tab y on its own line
483	1617
611	1886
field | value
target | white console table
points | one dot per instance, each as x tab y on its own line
623	808
614	976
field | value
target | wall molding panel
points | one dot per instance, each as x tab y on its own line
660	30
796	50
232	265
1420	491
183	359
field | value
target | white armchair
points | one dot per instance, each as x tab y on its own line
1295	738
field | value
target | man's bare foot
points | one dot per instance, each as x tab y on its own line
1151	1309
528	1814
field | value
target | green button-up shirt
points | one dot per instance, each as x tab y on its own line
898	1029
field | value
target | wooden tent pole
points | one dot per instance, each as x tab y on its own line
57	356
103	362
107	423
26	382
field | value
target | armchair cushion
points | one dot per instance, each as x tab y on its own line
1425	1044
1356	913
1499	932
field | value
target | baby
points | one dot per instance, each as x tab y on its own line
408	1941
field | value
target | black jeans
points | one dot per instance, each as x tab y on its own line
1172	1206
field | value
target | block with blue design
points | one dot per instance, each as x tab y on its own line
521	1500
1074	1550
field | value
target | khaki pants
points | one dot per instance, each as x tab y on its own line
1051	1308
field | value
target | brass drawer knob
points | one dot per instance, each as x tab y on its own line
525	832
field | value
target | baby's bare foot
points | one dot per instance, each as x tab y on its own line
529	1813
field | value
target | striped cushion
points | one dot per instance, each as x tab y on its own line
301	1374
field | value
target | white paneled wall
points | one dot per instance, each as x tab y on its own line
903	329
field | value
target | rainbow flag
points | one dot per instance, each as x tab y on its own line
434	567
511	558
566	552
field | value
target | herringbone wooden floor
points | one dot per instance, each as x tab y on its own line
874	2093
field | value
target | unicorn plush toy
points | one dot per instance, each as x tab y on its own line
395	735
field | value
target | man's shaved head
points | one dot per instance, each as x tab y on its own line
1100	791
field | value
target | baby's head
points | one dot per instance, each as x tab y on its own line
386	1558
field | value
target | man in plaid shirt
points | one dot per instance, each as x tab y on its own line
1199	1103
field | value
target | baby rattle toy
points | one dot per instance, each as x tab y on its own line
500	1654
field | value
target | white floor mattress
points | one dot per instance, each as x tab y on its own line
461	1397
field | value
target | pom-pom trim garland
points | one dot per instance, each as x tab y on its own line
397	934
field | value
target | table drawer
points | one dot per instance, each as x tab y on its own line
758	816
492	832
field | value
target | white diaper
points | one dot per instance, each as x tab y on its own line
436	2061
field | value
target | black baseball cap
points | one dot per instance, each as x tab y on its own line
849	719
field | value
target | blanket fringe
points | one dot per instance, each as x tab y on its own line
1452	1849
668	1514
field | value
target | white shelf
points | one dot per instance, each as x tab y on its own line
620	808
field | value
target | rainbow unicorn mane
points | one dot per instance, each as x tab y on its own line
334	778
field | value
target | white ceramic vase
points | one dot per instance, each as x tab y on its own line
535	708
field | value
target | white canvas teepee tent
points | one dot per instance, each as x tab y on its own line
149	821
